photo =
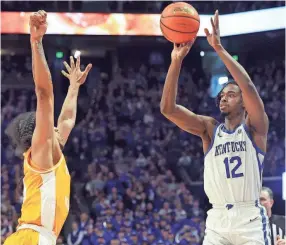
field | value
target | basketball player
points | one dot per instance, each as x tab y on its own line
234	150
46	177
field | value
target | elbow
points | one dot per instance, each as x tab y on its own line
163	109
43	92
167	109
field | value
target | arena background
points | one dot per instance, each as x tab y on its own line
135	176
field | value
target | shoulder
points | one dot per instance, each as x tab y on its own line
211	124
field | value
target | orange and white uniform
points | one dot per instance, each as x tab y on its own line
45	204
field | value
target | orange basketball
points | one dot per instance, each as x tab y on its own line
180	22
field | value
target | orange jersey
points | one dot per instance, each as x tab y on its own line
46	195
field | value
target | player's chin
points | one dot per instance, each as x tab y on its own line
224	113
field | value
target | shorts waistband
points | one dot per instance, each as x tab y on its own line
42	230
235	204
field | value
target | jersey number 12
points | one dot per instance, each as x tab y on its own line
233	173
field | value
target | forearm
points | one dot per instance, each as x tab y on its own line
69	108
238	73
168	100
41	72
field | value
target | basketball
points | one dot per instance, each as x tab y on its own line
179	22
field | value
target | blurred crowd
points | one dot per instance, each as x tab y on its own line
209	7
131	167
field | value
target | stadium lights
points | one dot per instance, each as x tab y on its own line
202	53
222	80
77	54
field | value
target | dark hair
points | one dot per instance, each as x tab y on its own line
269	191
20	131
218	97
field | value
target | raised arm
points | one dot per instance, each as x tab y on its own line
67	117
181	116
252	101
42	141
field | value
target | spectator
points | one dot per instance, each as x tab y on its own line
179	211
76	236
165	210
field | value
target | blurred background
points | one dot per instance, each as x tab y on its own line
136	177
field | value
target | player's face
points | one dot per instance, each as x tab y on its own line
230	100
266	201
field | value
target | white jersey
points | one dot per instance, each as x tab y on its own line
233	167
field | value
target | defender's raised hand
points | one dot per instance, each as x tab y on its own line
181	50
214	37
75	75
38	25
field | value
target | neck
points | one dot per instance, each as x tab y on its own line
231	122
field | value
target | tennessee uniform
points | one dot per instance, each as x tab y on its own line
45	204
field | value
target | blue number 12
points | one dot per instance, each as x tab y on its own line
233	171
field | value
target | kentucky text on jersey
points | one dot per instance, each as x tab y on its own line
230	147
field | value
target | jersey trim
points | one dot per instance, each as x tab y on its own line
28	160
213	139
247	130
258	151
224	129
41	230
264	227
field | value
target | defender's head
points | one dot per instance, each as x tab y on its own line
20	132
229	100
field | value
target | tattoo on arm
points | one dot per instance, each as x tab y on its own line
40	52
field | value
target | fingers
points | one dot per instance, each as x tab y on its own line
213	25
78	62
189	44
65	74
38	18
207	32
72	63
85	73
181	45
176	46
34	20
43	13
216	22
67	66
87	69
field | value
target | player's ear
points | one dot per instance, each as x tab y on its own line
242	103
271	202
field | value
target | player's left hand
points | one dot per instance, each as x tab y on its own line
75	75
214	37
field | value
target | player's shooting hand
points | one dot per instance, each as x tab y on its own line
214	37
38	25
75	75
181	50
